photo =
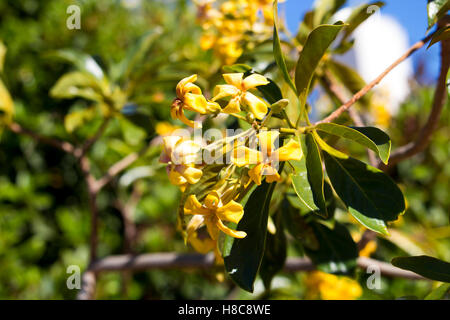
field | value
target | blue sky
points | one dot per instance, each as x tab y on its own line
411	14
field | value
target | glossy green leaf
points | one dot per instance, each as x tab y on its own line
369	194
297	226
271	92
275	252
244	259
436	10
336	253
326	147
358	16
425	266
380	145
439	292
83	62
277	52
315	47
440	35
307	180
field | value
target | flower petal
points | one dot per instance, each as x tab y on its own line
243	156
233	106
191	174
253	81
256	105
235	79
267	141
271	174
182	83
212	227
255	173
230	232
224	90
232	211
193	206
195	102
290	151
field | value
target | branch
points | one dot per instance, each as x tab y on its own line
440	95
199	261
119	166
62	145
88	143
337	113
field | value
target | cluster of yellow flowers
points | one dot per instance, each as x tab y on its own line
227	25
247	165
331	287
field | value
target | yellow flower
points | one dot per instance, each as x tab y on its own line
215	212
237	89
204	245
266	158
332	287
189	97
181	155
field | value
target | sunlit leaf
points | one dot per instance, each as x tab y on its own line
369	194
436	10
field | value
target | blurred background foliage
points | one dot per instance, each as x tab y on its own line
44	217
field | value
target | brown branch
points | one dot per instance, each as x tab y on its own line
439	99
119	166
62	145
338	112
335	92
199	261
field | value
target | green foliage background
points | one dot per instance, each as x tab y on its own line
44	218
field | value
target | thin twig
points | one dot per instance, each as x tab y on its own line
440	96
62	145
338	112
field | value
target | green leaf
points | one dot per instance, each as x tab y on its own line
440	35
307	179
315	47
425	266
439	292
83	62
243	262
275	252
132	134
271	91
277	52
381	143
326	147
297	226
436	10
237	68
358	16
349	78
2	55
77	118
369	194
77	85
336	253
324	9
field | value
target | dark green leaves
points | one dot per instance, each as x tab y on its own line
277	52
275	252
370	195
308	180
440	35
426	266
244	259
369	137
315	47
336	253
436	10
